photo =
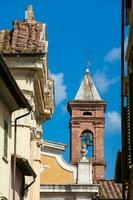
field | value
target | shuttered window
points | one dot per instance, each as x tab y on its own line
126	142
127	124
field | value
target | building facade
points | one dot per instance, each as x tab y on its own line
63	181
11	99
127	130
25	51
129	107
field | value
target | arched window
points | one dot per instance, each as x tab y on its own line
87	113
87	138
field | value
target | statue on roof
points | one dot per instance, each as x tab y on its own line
29	13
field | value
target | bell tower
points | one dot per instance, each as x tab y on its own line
87	119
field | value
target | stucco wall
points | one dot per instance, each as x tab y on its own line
35	162
4	163
54	173
25	73
23	146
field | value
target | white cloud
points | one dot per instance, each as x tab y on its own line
112	122
102	81
115	53
60	87
64	109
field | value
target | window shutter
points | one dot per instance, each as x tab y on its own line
128	130
126	152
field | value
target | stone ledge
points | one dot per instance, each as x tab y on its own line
70	188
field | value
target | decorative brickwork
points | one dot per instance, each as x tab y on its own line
79	123
87	114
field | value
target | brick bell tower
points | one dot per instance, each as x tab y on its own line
87	116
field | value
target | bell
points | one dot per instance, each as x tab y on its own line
88	140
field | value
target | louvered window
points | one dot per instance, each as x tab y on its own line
128	130
126	150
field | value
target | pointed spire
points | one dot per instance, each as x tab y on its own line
87	90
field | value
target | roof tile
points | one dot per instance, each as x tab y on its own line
109	189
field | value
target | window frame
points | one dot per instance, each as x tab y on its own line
6	131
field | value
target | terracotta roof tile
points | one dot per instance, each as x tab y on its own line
24	37
109	189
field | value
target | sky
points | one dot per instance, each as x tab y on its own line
79	32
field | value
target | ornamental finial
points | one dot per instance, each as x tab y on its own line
88	67
87	70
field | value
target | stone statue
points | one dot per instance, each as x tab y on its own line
29	14
84	151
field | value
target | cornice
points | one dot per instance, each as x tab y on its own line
87	119
53	145
86	105
22	126
99	162
96	124
76	102
93	108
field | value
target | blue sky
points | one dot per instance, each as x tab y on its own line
78	32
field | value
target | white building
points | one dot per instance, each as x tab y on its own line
11	99
25	51
63	181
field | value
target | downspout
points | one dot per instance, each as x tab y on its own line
122	95
14	160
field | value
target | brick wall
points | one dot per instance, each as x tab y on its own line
94	122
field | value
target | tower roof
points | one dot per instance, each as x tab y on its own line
87	90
